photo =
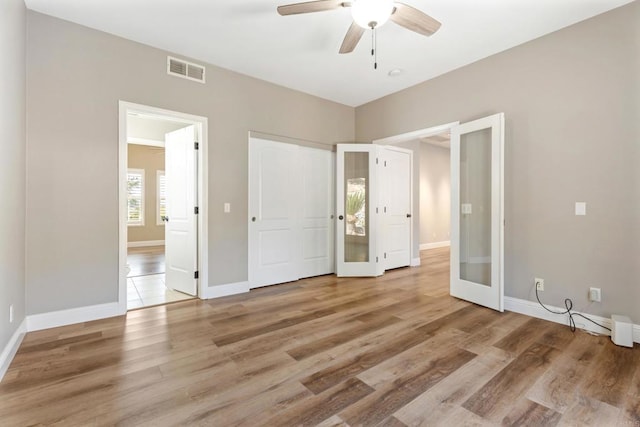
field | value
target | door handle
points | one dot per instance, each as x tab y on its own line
165	219
408	215
340	217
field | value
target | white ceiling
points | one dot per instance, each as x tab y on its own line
301	51
146	130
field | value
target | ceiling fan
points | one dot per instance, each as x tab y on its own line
368	14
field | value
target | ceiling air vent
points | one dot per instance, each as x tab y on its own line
184	69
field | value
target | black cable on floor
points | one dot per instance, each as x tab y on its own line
569	305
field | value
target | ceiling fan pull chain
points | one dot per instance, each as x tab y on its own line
375	50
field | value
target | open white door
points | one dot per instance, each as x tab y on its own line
274	203
356	194
477	211
181	242
396	179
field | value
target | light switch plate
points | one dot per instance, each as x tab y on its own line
581	208
227	207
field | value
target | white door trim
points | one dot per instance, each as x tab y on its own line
201	124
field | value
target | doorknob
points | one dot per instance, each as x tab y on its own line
253	219
340	217
408	215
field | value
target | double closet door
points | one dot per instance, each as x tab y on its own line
374	207
291	200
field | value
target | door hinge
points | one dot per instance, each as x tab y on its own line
376	210
196	210
376	160
195	274
385	255
376	259
385	209
196	145
385	163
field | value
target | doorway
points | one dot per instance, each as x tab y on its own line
162	158
477	205
431	186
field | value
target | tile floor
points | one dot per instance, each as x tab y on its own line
143	291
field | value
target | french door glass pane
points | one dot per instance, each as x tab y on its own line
475	207
356	191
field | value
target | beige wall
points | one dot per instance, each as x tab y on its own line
571	101
12	165
151	160
435	193
76	76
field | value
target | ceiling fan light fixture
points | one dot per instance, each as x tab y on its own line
371	13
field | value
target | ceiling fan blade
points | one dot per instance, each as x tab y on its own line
351	39
414	20
308	7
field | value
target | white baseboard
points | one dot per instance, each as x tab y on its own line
53	319
225	290
533	309
11	348
415	262
434	245
145	243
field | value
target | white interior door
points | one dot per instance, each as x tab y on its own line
274	204
316	211
477	211
181	226
396	182
356	197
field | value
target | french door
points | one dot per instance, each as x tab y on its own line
356	207
477	211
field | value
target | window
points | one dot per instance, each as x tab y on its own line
161	199
135	197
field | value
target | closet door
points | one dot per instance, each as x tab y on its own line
274	207
316	211
291	230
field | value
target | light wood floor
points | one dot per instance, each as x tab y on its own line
145	261
391	351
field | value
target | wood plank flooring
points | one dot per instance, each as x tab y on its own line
146	260
390	351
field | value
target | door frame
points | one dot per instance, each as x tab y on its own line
201	124
408	137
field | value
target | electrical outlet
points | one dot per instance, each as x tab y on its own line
539	284
11	313
595	294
